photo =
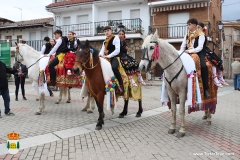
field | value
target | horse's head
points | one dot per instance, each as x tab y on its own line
82	56
148	48
18	56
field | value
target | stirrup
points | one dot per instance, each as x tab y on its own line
217	83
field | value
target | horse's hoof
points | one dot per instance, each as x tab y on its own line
208	123
121	116
38	113
89	111
204	117
180	135
98	128
84	110
171	131
56	102
37	99
68	102
138	115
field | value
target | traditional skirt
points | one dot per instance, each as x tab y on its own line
129	64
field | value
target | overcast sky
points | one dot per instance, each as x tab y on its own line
33	9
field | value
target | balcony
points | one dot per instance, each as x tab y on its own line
82	29
176	31
129	26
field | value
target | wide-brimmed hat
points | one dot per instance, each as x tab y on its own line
107	27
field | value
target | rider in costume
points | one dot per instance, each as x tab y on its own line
217	67
60	48
111	49
130	65
194	42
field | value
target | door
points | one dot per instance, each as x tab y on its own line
66	25
177	24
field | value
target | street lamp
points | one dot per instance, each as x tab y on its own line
21	11
220	27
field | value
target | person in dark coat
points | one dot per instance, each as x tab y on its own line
20	79
4	91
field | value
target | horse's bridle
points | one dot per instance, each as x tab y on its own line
84	63
150	63
22	57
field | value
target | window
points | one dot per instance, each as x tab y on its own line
115	15
135	14
8	37
19	37
177	26
66	20
82	19
44	34
33	36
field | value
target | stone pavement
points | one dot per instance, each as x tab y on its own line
64	132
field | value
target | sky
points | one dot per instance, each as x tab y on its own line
33	9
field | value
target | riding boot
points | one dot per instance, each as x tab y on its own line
206	94
124	112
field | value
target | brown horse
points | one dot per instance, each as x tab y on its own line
95	81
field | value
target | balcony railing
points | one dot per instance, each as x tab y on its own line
82	29
175	30
129	25
35	44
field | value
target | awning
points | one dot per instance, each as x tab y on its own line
179	7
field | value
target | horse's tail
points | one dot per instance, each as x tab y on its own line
63	90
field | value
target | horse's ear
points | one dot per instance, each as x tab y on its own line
155	36
87	44
78	42
16	43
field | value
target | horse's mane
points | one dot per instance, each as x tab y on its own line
164	45
29	48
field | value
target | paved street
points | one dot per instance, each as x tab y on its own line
63	131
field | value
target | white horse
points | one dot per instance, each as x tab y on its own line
179	84
30	56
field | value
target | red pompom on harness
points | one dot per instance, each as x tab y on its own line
156	52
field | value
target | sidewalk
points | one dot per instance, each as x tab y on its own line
64	132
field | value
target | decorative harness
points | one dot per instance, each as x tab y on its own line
90	60
156	56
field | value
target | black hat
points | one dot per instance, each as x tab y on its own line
107	27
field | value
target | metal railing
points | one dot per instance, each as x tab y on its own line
175	30
35	44
12	42
129	25
82	29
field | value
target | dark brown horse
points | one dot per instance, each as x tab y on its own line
95	81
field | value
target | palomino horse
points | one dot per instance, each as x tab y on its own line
30	58
171	63
95	81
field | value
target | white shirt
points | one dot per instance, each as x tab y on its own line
58	43
201	41
116	43
43	49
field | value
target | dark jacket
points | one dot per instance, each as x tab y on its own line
48	48
62	48
24	70
3	77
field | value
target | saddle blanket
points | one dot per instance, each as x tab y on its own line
107	73
190	67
